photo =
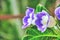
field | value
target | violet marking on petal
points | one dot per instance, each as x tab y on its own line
57	13
42	21
27	20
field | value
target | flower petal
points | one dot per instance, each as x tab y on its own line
27	20
29	11
57	13
52	22
42	21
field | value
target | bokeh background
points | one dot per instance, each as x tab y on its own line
11	29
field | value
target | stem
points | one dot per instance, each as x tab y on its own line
5	17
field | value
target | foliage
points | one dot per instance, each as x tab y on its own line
34	34
9	31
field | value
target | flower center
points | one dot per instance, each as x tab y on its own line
44	20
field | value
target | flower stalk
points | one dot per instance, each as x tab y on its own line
5	17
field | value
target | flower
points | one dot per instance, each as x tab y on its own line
42	19
57	13
27	20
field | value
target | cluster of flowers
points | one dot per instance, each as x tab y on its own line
40	19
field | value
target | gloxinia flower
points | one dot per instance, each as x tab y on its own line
57	13
27	20
42	19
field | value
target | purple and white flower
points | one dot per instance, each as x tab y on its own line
57	13
27	20
42	20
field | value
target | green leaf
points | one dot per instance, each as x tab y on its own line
34	34
40	7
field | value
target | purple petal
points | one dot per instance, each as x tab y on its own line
27	20
42	21
57	13
29	11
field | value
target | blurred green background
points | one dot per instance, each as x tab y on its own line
11	29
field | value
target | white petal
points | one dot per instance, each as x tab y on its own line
33	21
29	21
52	22
44	20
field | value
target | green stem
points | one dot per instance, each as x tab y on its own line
45	35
